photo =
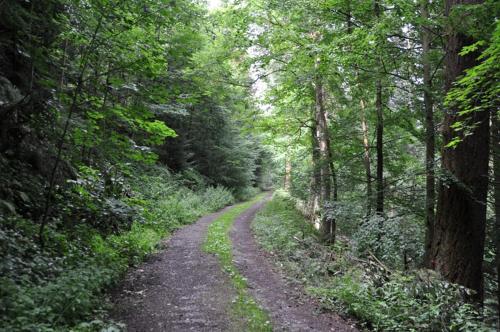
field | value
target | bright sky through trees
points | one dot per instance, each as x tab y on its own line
214	4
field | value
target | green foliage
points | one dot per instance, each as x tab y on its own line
478	89
159	192
396	241
219	243
95	198
99	96
409	302
382	299
62	287
112	91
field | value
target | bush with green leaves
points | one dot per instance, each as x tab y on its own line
167	204
398	241
416	301
95	198
381	298
62	286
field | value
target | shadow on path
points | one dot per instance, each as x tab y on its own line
180	289
289	308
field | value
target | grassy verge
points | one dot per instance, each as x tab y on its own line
62	288
397	301
219	243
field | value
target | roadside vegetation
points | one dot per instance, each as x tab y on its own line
123	120
218	242
62	286
349	279
115	130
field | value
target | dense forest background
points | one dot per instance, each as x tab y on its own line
117	127
121	121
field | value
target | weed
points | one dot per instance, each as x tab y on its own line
219	243
415	300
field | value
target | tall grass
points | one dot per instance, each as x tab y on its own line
63	288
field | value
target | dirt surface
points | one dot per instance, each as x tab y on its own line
184	289
180	289
290	309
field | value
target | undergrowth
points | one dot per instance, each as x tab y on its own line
381	299
219	243
61	288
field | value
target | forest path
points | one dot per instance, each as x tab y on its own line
184	289
289	308
180	289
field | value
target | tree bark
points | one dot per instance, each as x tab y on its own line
335	185
323	143
380	132
288	173
315	188
380	149
458	243
321	159
335	193
496	173
366	159
430	194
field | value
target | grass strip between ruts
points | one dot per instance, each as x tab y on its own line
218	242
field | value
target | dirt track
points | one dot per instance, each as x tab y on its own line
180	289
183	288
289	308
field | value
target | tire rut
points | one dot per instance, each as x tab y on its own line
289	308
181	288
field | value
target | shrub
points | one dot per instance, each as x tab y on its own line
381	299
61	288
404	302
397	241
246	193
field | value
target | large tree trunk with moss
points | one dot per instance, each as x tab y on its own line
322	163
458	243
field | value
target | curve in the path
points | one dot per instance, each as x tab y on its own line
180	289
288	307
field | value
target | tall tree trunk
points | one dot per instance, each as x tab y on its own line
335	183
315	187
496	171
380	132
458	243
335	197
325	186
380	149
321	143
335	186
430	194
366	159
288	173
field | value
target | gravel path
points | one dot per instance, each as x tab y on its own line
180	289
184	289
290	309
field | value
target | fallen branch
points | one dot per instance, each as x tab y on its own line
379	263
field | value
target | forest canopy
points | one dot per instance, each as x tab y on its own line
376	121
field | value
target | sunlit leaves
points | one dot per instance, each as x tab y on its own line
479	88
